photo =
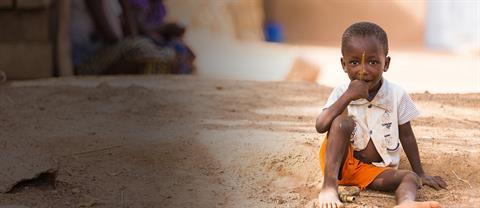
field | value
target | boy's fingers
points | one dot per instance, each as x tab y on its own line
432	183
441	182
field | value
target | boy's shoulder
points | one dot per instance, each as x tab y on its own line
393	88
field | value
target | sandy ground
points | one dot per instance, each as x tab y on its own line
170	141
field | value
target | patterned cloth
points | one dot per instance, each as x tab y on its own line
156	60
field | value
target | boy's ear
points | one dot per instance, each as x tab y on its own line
387	64
343	65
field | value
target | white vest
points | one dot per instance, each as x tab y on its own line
379	120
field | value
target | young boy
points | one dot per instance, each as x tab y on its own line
368	122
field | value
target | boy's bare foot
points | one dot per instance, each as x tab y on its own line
328	198
415	204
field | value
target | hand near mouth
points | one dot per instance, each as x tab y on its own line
357	89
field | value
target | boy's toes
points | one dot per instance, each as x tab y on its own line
414	204
332	205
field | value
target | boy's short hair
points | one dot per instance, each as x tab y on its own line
365	29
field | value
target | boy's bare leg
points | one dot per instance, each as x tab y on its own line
406	183
338	141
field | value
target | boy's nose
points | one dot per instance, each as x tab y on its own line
362	73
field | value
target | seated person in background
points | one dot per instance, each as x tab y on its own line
100	45
149	16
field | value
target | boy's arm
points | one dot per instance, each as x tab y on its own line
409	143
324	120
356	90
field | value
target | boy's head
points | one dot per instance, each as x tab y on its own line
364	53
363	29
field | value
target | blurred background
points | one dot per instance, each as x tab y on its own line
434	44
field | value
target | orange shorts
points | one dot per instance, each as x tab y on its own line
354	172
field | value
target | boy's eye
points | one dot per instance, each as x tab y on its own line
354	62
373	62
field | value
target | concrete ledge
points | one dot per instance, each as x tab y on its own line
6	4
23	26
26	60
33	4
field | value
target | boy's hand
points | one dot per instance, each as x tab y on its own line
435	182
357	89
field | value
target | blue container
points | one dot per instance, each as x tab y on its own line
273	32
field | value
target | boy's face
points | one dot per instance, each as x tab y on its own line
375	60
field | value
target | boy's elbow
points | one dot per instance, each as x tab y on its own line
321	130
320	127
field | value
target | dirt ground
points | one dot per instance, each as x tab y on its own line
185	141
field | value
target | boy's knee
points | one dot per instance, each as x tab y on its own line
411	176
344	124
